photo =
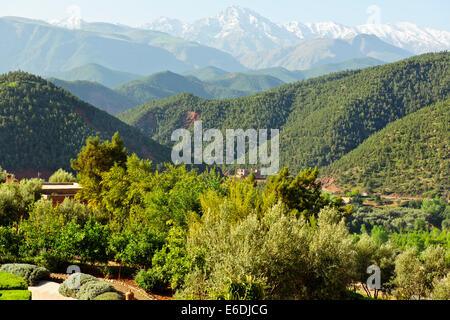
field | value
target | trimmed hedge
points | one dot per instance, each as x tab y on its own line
89	288
109	296
31	273
68	287
93	289
15	295
9	281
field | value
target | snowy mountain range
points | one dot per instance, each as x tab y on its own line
238	31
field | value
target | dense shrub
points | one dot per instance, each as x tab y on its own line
109	296
15	295
246	289
16	198
71	286
442	289
62	176
93	289
31	273
171	263
296	258
10	240
62	233
151	280
416	275
9	281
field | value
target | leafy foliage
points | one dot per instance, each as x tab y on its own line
62	176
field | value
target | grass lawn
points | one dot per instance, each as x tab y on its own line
15	295
10	281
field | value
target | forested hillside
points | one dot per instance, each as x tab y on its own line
409	156
167	84
43	126
320	119
97	95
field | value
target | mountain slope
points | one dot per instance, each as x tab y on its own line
38	47
320	119
205	74
96	73
352	64
409	156
42	127
167	84
283	74
161	85
235	30
247	82
324	51
97	95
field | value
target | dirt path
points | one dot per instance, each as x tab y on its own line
47	290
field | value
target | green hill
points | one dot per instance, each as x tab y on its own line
246	82
161	85
96	73
43	126
353	64
167	84
320	119
283	74
409	156
207	73
97	95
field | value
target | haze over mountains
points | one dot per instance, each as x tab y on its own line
41	48
235	40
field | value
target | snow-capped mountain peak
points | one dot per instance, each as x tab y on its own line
239	30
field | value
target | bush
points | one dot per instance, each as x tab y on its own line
109	296
10	281
93	289
442	289
247	289
151	280
15	295
71	286
62	176
9	241
297	258
31	273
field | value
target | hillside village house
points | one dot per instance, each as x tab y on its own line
57	192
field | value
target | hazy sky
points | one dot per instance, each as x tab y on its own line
428	13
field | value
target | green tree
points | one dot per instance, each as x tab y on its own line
95	159
62	176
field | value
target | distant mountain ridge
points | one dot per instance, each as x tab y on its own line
208	83
44	49
94	72
240	30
